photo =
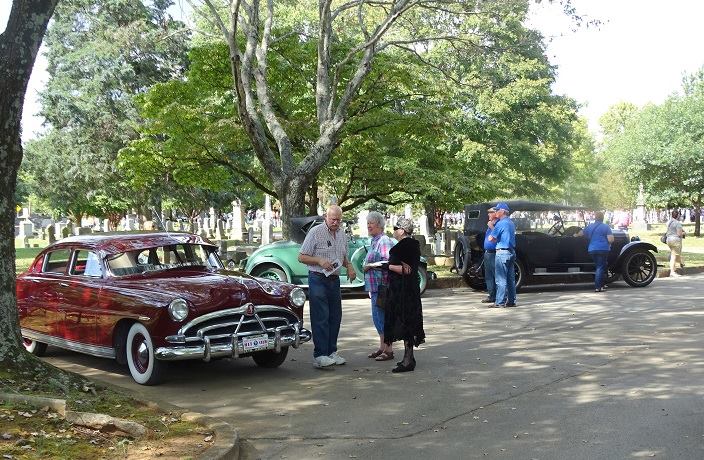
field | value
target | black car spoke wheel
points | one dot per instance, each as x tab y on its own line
639	268
144	367
270	358
461	256
520	274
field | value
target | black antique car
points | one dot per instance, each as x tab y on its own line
547	250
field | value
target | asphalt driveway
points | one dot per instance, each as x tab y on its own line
569	374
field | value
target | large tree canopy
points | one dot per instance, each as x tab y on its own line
444	114
100	53
662	147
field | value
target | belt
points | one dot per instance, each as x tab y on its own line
504	249
490	251
322	275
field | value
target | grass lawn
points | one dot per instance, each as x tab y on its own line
25	256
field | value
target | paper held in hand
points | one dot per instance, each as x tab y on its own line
334	265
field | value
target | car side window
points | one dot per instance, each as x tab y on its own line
87	263
57	261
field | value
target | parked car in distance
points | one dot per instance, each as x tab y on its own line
547	249
146	299
279	260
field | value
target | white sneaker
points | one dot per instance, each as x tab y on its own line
323	361
339	360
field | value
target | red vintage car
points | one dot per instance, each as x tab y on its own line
145	299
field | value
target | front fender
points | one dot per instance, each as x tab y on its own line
633	245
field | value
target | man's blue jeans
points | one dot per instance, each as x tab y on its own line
489	275
601	261
505	277
325	312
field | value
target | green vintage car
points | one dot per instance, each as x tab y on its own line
279	261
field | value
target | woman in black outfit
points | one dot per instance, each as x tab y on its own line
404	315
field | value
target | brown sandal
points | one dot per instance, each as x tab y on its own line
385	356
374	354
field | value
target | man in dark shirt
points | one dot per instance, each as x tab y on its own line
489	255
504	234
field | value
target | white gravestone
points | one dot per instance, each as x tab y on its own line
423	225
407	212
362	222
236	229
266	223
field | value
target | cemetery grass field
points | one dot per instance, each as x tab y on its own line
693	250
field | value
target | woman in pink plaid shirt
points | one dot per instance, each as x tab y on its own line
375	276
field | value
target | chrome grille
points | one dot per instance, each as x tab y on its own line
219	327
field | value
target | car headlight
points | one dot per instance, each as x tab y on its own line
298	296
178	309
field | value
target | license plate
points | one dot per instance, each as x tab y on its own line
255	342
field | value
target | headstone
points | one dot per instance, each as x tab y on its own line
212	221
423	225
237	220
250	235
424	247
223	248
51	233
67	230
447	238
362	222
59	230
640	221
219	232
25	241
84	230
106	225
169	227
148	225
26	229
407	212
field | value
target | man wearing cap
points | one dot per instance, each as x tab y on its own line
324	250
504	234
489	256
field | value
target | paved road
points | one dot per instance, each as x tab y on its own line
569	374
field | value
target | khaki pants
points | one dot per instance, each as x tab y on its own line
675	245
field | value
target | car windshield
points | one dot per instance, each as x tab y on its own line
160	258
549	222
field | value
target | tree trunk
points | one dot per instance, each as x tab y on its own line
19	45
430	213
698	216
313	199
292	195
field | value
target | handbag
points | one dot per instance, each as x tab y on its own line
382	296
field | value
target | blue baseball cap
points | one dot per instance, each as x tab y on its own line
502	206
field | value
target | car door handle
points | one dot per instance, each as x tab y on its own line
64	284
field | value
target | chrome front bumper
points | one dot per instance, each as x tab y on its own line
280	337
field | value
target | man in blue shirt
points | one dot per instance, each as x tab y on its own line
489	255
600	238
504	234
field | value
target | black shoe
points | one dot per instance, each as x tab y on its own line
496	305
509	305
402	368
488	300
400	363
